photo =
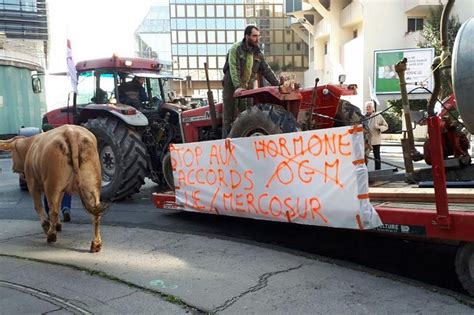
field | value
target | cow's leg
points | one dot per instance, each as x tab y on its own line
53	202
36	196
96	244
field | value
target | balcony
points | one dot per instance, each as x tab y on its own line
351	14
322	29
420	7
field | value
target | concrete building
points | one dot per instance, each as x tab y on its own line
344	34
23	55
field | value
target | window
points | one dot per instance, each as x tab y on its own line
211	36
415	24
201	36
183	62
298	46
85	88
221	36
193	62
180	11
325	48
200	11
191	36
210	11
354	33
230	36
181	36
230	11
191	10
288	47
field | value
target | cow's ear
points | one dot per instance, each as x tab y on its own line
6	145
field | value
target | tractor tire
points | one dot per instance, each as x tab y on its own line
168	170
263	119
122	157
464	264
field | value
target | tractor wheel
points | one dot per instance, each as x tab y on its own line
122	157
168	170
464	264
263	119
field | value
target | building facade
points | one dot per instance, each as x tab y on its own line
344	34
23	55
202	31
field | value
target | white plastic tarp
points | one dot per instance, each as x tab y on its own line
314	177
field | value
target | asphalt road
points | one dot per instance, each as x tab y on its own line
425	262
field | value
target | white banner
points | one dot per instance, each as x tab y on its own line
315	177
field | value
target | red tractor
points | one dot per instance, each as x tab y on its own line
133	141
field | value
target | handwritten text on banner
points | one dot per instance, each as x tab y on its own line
314	177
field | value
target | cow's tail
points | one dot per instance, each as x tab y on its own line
73	141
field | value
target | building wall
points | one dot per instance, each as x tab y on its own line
380	25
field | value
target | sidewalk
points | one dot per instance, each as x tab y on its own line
146	271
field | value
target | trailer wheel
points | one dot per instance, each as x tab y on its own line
263	119
168	170
122	157
465	266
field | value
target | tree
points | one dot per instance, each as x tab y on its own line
430	37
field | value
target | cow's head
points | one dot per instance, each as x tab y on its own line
18	146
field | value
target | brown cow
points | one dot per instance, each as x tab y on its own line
61	160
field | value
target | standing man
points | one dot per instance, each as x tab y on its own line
244	61
376	125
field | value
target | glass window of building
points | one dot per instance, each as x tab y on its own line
193	63
191	36
211	49
181	24
211	24
180	11
278	37
278	10
192	49
201	24
298	62
201	36
221	23
221	36
200	11
249	10
289	61
220	12
182	49
172	10
191	10
210	11
229	10
181	36
222	49
211	36
221	61
202	49
191	24
212	62
202	60
239	11
183	62
174	37
230	36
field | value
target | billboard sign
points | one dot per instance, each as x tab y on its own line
418	71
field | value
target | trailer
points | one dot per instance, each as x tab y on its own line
431	214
